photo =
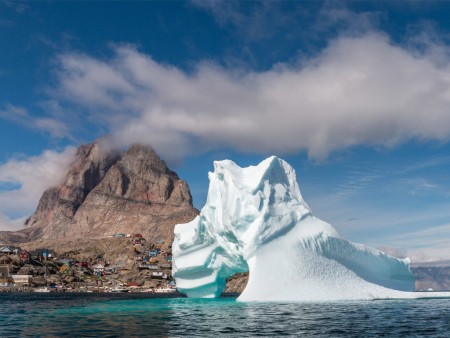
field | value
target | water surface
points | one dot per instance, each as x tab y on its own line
136	315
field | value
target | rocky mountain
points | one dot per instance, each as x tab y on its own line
432	277
107	192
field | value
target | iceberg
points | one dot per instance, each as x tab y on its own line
255	219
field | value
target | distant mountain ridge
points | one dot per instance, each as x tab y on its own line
432	277
107	192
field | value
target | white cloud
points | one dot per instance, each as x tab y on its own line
31	176
428	244
419	257
396	252
358	90
7	224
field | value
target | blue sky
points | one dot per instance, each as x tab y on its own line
355	95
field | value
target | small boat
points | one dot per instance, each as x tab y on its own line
165	290
119	290
46	289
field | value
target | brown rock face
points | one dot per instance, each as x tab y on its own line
110	192
58	206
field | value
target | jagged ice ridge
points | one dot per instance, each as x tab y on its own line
256	220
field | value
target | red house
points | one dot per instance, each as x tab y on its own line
24	256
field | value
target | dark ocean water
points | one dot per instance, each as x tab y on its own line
135	315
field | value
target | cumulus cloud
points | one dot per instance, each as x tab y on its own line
358	90
7	224
396	252
24	180
418	257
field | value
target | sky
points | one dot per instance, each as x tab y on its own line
354	95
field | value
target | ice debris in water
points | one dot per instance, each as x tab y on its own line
256	220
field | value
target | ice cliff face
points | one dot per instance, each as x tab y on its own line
256	220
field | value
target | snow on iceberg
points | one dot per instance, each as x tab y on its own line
256	220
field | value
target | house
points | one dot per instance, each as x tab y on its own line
137	241
148	266
165	266
66	270
6	282
138	258
34	255
154	252
99	269
133	285
84	264
46	253
157	274
4	270
119	235
24	256
5	278
20	280
42	254
142	266
137	236
7	250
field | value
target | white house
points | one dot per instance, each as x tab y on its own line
21	279
99	268
157	274
6	250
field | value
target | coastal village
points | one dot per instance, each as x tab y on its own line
140	266
121	263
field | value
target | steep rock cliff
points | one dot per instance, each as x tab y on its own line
107	192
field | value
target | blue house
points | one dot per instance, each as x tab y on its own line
154	253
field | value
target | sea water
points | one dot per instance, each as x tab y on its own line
136	315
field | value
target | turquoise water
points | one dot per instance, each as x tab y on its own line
136	315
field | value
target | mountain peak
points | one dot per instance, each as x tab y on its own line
110	191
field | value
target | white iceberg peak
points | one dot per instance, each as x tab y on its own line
256	220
